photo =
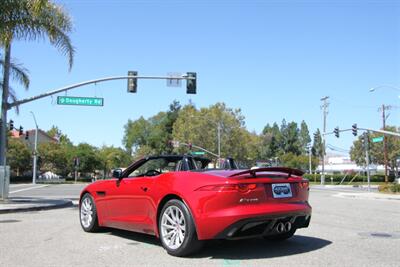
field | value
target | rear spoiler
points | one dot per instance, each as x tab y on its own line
288	171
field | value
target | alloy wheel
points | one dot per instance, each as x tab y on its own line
86	212
173	227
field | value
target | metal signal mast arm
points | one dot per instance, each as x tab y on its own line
66	88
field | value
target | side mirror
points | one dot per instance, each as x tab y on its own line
117	173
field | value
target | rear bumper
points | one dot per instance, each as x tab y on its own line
248	221
262	226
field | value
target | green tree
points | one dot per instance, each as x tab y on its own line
186	129
54	158
298	161
291	140
19	74
304	137
112	157
19	156
29	20
153	133
136	134
317	148
56	133
89	159
200	127
271	142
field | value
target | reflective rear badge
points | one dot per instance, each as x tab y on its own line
248	200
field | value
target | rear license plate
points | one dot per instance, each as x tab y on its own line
281	190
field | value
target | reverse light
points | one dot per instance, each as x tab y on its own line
242	188
303	184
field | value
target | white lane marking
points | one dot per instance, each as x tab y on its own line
18	185
26	189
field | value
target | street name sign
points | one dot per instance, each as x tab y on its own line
198	153
377	139
80	101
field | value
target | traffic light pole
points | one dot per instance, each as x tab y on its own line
4	106
70	87
366	146
368	130
324	106
384	132
34	171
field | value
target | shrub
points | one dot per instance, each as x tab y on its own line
389	188
337	178
395	188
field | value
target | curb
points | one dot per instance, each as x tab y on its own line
65	204
371	196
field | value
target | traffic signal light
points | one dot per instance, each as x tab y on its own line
354	129
132	82
21	130
336	131
11	125
191	83
26	135
365	140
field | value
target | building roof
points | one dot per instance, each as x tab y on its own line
15	134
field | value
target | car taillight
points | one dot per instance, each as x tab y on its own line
304	184
242	188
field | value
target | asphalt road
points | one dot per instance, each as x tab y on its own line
68	191
343	232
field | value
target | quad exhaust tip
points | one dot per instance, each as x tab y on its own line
283	227
288	226
280	227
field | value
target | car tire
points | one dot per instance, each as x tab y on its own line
88	214
281	237
177	229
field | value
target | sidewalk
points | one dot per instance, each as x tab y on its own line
369	195
24	204
358	192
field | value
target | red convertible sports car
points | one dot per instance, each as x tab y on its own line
180	201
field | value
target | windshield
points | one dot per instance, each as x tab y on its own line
153	167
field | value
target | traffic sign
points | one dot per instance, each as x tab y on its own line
198	153
377	139
80	101
173	81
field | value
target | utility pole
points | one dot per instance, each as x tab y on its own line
324	107
219	140
366	147
309	157
385	153
34	171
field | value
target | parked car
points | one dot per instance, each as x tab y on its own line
181	202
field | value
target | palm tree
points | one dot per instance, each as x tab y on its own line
29	20
20	75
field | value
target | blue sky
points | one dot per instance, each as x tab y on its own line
272	59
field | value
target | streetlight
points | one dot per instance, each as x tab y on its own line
373	89
35	151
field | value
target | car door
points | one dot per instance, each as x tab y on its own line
130	205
